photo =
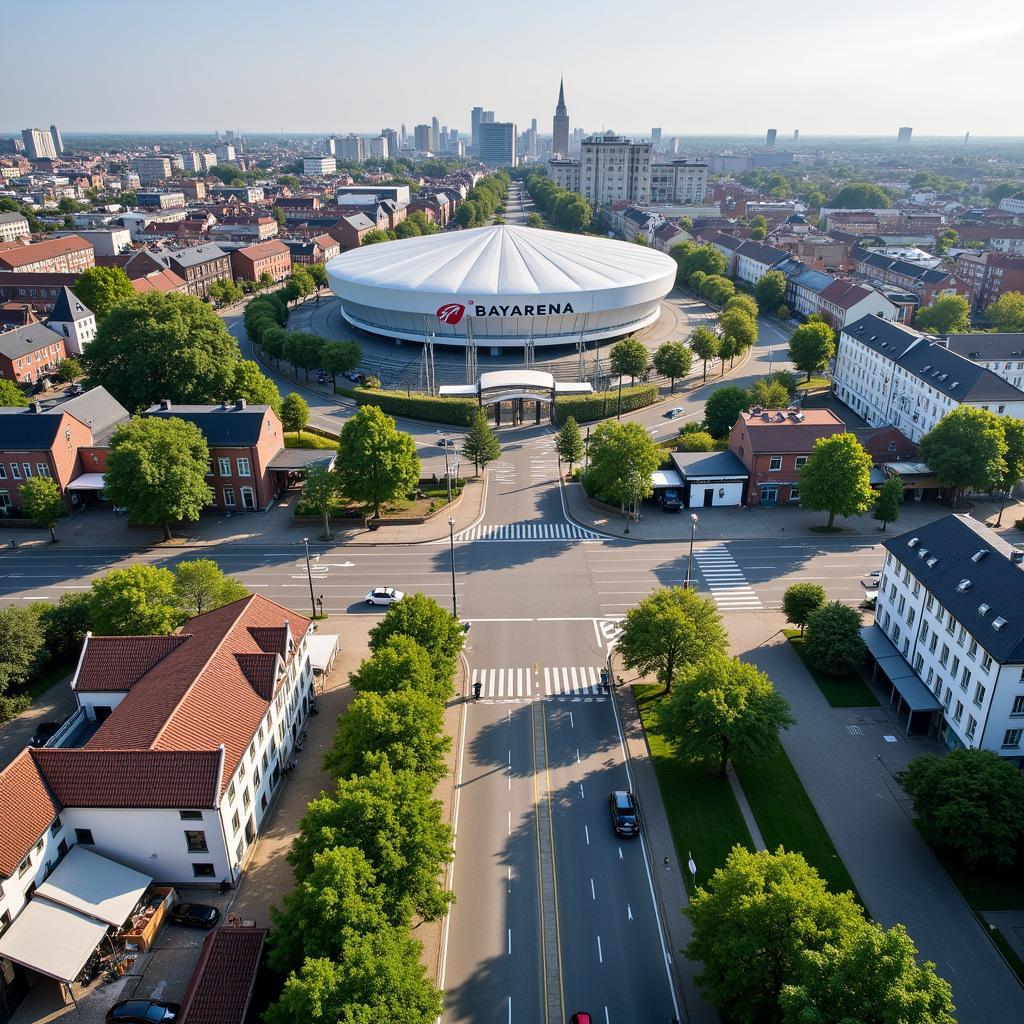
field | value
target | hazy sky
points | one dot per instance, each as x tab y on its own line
730	66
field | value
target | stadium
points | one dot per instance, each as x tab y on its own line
502	286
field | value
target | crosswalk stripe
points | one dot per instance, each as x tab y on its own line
547	682
526	532
725	579
515	683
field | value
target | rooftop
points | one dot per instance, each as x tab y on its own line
226	425
25	255
783	431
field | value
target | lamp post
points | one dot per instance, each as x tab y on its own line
451	548
309	576
689	559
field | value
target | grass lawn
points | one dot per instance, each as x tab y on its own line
814	384
986	888
308	440
787	817
848	691
702	812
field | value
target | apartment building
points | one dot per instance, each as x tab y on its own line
565	173
318	249
989	275
73	321
252	261
161	200
12	227
612	167
65	255
679	182
153	168
198	265
30	352
1003	354
927	283
317	166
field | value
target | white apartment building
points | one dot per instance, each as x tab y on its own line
316	166
1001	353
39	144
613	168
192	161
12	227
73	321
892	375
951	605
351	147
565	173
682	182
224	153
380	147
1011	204
152	168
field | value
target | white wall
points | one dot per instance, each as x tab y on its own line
733	494
40	863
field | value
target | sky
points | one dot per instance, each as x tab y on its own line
729	67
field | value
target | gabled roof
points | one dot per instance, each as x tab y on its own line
905	268
111	664
193	256
769	255
27	807
845	294
97	408
229	427
262	250
26	255
986	346
21	429
222	983
68	308
813	280
22	340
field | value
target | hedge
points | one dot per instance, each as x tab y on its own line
456	411
602	404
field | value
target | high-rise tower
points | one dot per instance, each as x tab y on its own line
560	124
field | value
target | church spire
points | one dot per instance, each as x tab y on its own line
560	108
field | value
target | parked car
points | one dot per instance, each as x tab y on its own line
384	595
870	596
74	389
447	442
143	1011
40	386
44	730
671	499
625	813
580	1018
195	915
673	413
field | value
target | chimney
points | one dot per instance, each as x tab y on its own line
165	404
239	403
36	406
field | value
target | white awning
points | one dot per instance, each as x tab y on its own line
96	886
666	478
52	939
87	482
322	649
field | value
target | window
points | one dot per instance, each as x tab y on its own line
246	799
56	827
917	665
924	632
248	499
26	864
901	604
986	662
949	624
84	836
959	713
243	467
965	680
209	469
775	463
190	815
972	727
229	497
896	634
255	777
236	822
800	461
202	870
1011	738
948	698
27	467
972	649
934	643
15	471
979	694
961	636
42	469
944	656
917	587
1018	705
225	467
195	841
3	471
929	603
955	667
231	792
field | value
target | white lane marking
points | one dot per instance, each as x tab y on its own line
593	891
600	955
586	833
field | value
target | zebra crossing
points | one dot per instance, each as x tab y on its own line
526	531
725	579
520	684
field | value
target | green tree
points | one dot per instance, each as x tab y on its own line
869	974
401	664
948	314
768	394
628	358
158	345
717	289
303	349
569	443
770	291
723	408
102	289
970	802
22	650
833	641
696	441
889	502
533	220
692	257
786	379
157	470
705	345
294	413
1013	435
377	236
801	601
69	369
722	708
264	281
321	491
745	302
837	477
860	195
300	283
137	601
481	444
966	449
811	346
672	628
11	395
200	586
41	502
65	625
376	461
673	359
434	628
739	328
339	357
758	234
252	384
272	342
622	458
279	215
1007	313
752	924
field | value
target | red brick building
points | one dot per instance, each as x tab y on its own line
318	249
66	255
774	444
40	291
30	352
273	258
989	275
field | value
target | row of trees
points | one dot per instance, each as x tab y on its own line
485	199
369	854
568	211
414	225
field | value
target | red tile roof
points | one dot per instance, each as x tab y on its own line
159	281
844	294
114	663
26	255
27	808
773	431
222	983
262	250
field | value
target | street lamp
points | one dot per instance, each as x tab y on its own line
451	548
689	559
309	576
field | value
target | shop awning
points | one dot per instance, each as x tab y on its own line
322	650
86	482
52	939
916	695
96	886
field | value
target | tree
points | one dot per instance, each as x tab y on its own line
770	291
673	359
768	394
692	258
41	502
200	586
723	708
786	379
723	408
569	443
65	624
1007	313
1013	435
717	289
272	342
321	491
860	195
752	924
966	449
252	384
69	369
264	281
833	640
300	283
696	441
481	444
837	477
533	220
302	349
377	235
801	601
137	601
948	314
869	974
401	664
888	502
672	628
434	628
970	802
339	357
22	646
622	458
102	289
157	470
811	346
158	345
704	343
745	302
376	461
407	727
628	358
738	327
11	395
294	413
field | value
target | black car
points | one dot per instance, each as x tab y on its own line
44	730
625	813
195	915
143	1011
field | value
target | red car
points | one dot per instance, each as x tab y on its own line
580	1018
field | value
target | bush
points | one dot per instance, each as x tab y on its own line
601	404
833	642
696	441
456	411
783	311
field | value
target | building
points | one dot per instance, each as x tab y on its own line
224	153
38	144
68	255
1003	354
612	167
253	261
30	352
192	162
58	141
747	261
560	124
313	250
988	275
244	228
40	291
352	147
774	445
160	200
927	283
769	139
948	635
475	116
12	227
709	479
844	302
152	168
198	265
73	321
379	148
566	174
890	374
107	241
498	146
248	194
903	135
423	141
351	229
399	193
678	182
318	166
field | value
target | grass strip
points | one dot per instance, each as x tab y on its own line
845	691
308	440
